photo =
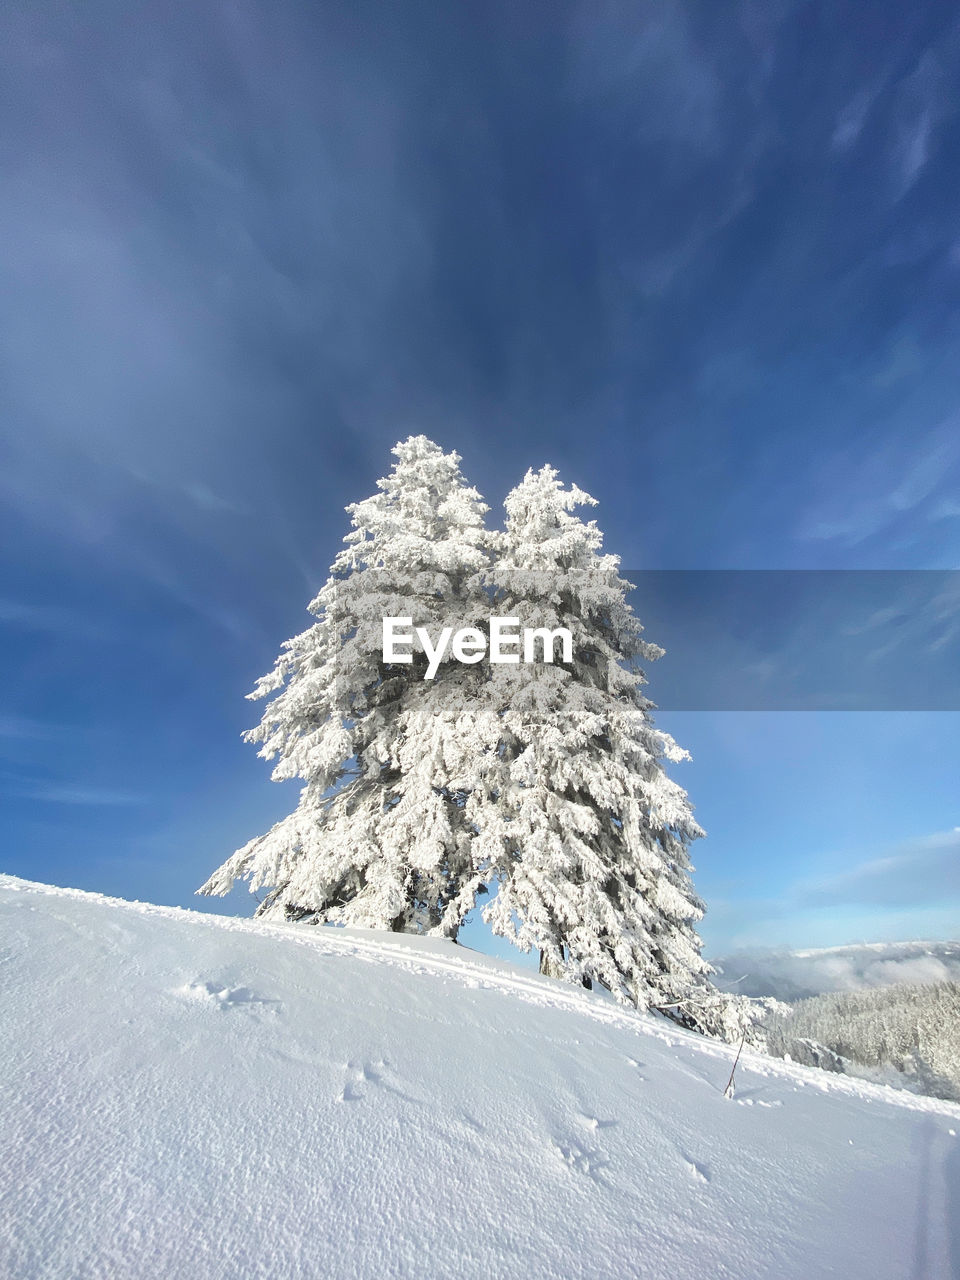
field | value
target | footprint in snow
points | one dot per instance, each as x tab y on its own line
214	995
594	1123
589	1163
362	1074
359	1074
699	1172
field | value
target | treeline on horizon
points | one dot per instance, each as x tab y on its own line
911	1028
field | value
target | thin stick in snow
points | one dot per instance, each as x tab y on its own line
728	1091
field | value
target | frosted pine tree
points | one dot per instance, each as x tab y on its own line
380	837
585	832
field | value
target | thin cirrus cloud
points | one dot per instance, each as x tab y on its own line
853	117
264	219
926	468
924	872
925	99
914	891
26	728
23	615
649	62
59	793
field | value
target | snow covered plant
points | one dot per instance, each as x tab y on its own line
381	836
587	834
545	782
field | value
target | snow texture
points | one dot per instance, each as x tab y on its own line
195	1096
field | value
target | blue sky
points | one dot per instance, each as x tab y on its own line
704	259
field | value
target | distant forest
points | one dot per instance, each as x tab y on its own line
912	1029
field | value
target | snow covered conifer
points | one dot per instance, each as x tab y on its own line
379	837
585	831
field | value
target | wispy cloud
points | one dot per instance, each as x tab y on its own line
22	728
647	60
852	118
925	464
924	872
913	891
914	149
924	99
207	500
177	290
204	604
948	509
74	794
46	618
920	622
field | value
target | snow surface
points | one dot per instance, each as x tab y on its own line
187	1095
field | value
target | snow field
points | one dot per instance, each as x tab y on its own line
187	1095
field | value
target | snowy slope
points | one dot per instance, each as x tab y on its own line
187	1095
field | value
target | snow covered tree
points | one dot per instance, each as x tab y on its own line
582	828
547	779
914	1028
380	837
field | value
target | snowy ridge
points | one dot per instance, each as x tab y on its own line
921	947
474	970
190	1095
